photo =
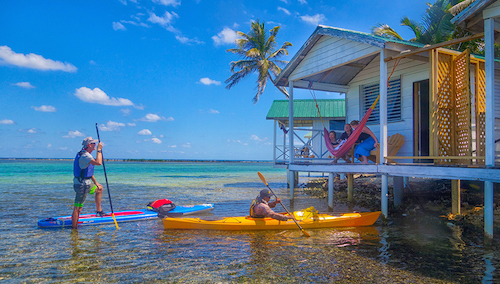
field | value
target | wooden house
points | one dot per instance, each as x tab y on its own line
434	97
309	142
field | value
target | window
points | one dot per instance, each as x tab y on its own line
337	124
370	92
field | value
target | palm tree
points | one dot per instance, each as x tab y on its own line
434	28
259	55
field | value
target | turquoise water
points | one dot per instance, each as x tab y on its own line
143	252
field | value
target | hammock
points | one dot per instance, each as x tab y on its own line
344	148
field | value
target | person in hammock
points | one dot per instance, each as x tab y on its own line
367	142
337	143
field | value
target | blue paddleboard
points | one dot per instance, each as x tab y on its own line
122	216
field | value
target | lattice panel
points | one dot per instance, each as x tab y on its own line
462	106
445	106
480	94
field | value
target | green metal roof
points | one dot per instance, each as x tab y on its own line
307	109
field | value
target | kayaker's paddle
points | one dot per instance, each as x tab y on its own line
106	177
291	215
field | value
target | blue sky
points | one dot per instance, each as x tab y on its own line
151	73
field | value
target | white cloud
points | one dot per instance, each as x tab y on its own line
44	108
131	124
144	132
173	3
125	111
187	145
33	61
156	140
302	1
111	126
213	111
26	85
49	146
284	10
256	138
186	40
314	20
137	24
31	130
7	121
151	117
74	134
97	96
165	21
226	36
118	26
208	81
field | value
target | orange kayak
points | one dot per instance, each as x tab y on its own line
250	224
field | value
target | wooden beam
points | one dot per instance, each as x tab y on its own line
437	157
434	46
303	84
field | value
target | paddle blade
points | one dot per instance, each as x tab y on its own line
116	223
306	233
262	178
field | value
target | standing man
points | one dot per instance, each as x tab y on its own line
83	172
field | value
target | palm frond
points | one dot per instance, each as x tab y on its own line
258	50
386	31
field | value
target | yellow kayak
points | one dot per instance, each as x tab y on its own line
307	221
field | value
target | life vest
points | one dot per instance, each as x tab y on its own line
80	173
252	206
162	207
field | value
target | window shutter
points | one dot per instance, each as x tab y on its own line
370	92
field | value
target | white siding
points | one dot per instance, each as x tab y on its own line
329	52
410	71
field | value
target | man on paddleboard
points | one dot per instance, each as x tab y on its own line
261	207
83	181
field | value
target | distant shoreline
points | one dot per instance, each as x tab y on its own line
140	160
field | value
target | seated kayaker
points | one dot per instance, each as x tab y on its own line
261	207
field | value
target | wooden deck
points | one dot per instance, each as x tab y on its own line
455	172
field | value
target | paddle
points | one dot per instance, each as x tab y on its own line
293	217
106	177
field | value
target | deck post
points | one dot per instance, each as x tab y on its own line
489	40
350	186
274	141
330	191
398	184
384	196
455	196
291	175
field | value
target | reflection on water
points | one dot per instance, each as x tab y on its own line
424	250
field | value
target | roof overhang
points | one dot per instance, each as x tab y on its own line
336	78
472	17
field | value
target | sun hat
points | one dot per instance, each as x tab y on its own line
265	193
89	140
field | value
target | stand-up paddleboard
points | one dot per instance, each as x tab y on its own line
122	216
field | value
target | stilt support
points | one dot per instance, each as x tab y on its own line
384	196
350	186
291	182
330	191
455	197
488	209
398	183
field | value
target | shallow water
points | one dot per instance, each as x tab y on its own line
426	250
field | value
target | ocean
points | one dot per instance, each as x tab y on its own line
144	252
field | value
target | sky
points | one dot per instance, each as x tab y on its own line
150	73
